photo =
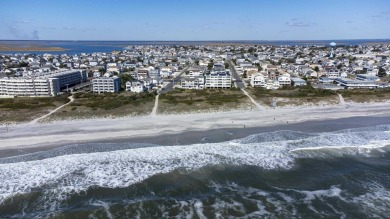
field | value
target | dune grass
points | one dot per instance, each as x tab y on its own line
205	100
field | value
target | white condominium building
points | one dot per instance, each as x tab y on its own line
67	78
42	84
106	84
29	87
218	80
192	82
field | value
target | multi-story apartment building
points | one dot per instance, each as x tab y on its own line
192	82
106	84
67	78
29	87
218	80
43	84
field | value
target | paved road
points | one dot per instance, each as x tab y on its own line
175	80
236	77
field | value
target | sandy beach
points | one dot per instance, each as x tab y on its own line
171	129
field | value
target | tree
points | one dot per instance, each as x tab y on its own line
125	78
23	64
316	69
210	65
244	75
382	72
226	65
102	70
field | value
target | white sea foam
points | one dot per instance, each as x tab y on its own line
61	176
284	202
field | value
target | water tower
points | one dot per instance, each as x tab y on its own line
331	52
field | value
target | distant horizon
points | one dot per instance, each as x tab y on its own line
196	40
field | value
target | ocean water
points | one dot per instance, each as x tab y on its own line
282	174
77	47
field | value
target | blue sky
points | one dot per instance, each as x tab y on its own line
194	20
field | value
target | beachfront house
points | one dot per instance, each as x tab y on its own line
192	82
135	86
284	80
258	80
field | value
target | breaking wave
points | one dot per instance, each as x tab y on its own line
68	171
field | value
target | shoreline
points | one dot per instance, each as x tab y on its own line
217	135
174	129
29	48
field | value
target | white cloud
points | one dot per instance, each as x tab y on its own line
69	28
22	22
296	22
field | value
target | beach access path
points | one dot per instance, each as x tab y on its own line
241	84
155	107
71	98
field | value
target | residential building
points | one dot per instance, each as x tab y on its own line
135	86
298	82
272	84
29	87
66	78
41	83
332	72
325	80
192	82
143	73
284	80
367	77
154	74
106	84
218	80
350	84
112	67
258	80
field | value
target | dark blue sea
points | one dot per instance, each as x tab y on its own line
77	47
282	174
